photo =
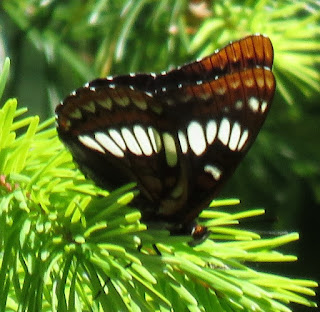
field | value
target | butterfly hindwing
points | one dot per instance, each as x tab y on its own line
222	120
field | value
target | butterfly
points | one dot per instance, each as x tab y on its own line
179	134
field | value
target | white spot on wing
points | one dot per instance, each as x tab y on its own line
170	149
76	114
214	171
243	139
211	131
234	84
238	105
249	82
183	142
220	91
178	190
116	136
90	143
89	107
131	142
226	109
155	139
224	131
205	95
104	140
253	104
143	140
140	103
235	136
196	138
106	103
122	100
264	106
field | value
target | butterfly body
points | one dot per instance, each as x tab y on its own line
179	134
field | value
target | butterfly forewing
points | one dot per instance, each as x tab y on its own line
179	134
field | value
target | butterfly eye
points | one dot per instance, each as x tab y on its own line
179	134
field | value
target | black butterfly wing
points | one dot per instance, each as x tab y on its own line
215	123
179	135
113	135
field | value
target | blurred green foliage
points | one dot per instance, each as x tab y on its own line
56	46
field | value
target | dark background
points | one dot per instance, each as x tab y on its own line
58	46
